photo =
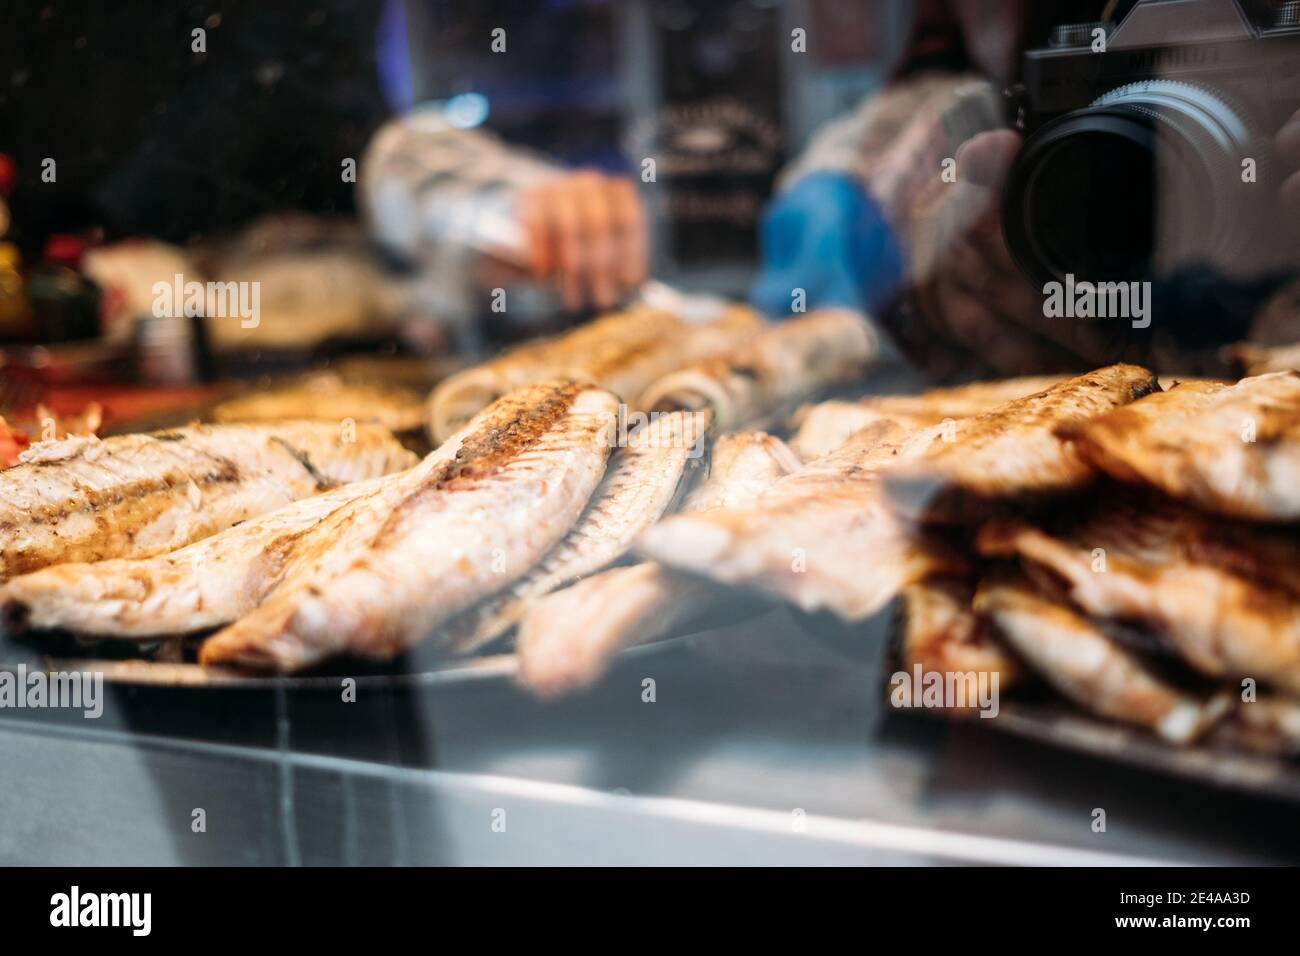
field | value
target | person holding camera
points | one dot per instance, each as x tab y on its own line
898	209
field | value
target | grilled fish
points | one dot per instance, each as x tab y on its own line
326	397
214	581
387	573
623	352
83	499
640	484
1090	669
567	638
200	586
951	472
1225	596
963	401
742	466
942	634
784	364
824	427
823	537
1234	449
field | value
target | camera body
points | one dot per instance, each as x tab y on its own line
1148	143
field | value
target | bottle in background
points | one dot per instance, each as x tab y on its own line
15	315
64	303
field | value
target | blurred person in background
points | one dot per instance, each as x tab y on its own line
442	191
452	200
865	219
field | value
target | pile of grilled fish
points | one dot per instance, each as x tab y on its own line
1130	543
277	545
1132	546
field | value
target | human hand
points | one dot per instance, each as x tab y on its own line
977	297
1287	149
587	233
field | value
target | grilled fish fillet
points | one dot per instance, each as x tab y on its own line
742	466
1234	449
1225	596
824	427
203	585
214	581
1089	668
567	638
951	472
326	397
623	352
823	537
83	499
640	484
781	365
942	634
963	401
387	575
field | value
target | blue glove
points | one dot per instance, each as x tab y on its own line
825	235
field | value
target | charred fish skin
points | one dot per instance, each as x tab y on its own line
623	352
641	483
568	637
137	495
1090	669
517	483
1230	449
953	473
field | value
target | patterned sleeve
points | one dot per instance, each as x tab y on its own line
895	143
430	189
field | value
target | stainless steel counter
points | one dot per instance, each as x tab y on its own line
763	745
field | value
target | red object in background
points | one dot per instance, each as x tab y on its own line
122	403
65	250
8	174
12	443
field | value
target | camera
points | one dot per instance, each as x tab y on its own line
1147	143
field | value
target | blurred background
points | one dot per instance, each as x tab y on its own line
155	139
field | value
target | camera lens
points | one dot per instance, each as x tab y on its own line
1147	177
